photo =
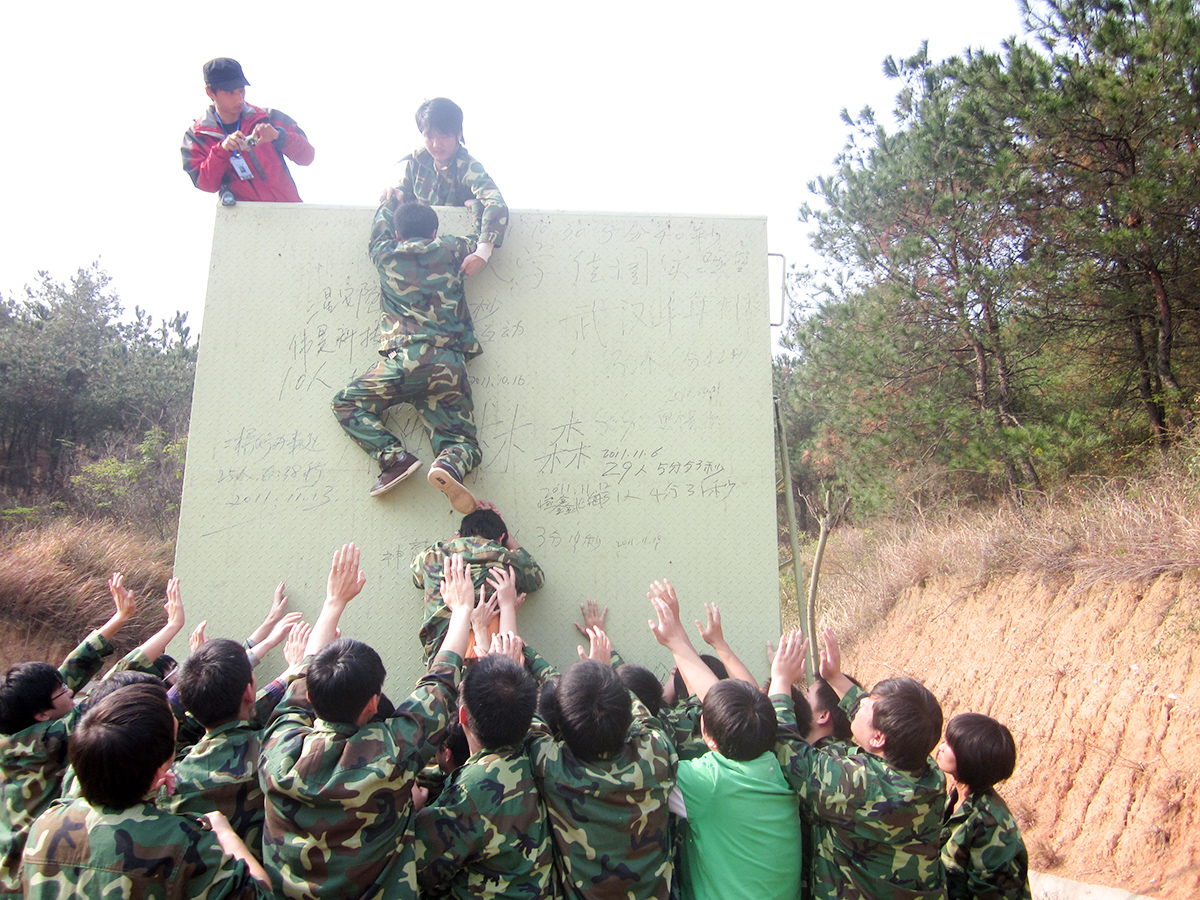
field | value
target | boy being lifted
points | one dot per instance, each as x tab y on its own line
426	337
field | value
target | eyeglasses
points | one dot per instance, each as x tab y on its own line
57	694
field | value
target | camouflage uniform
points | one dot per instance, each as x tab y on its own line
810	826
455	185
338	810
33	760
488	835
609	818
221	772
481	555
79	850
880	833
983	852
426	336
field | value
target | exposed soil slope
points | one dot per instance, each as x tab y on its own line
1101	689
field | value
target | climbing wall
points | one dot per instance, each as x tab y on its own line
623	403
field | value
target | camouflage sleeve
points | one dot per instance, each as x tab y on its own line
84	661
447	835
268	700
832	786
984	855
407	185
495	212
421	718
529	574
383	233
849	703
616	661
682	723
538	667
422	562
135	661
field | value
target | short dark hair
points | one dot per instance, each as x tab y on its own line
414	220
984	750
441	115
111	682
714	665
28	689
500	697
828	699
484	523
910	719
454	739
740	719
643	684
342	679
121	744
594	710
214	680
548	704
804	713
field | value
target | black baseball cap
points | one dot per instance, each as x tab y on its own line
224	74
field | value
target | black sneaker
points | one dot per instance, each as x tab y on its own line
446	479
404	466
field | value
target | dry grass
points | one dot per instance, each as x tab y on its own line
53	586
1092	531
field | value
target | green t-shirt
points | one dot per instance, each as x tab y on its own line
743	830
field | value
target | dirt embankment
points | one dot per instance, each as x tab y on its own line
1101	689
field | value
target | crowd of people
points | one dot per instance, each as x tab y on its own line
497	776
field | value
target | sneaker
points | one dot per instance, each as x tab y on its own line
404	466
446	479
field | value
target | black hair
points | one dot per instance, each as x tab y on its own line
828	699
440	114
984	750
804	713
484	523
548	704
342	679
740	719
121	744
714	665
499	697
594	710
111	682
414	220
214	680
166	666
909	717
454	739
643	684
28	689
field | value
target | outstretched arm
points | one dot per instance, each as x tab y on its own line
504	583
156	646
124	603
669	632
345	582
714	636
458	593
787	667
831	664
274	614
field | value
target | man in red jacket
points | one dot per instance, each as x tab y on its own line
239	149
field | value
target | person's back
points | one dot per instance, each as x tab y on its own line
742	836
488	836
881	807
606	786
112	840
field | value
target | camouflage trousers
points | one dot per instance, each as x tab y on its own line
434	381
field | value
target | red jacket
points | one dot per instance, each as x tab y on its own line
209	165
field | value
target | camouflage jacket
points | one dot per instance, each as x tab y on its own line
609	819
982	851
32	763
141	853
487	836
481	555
454	186
421	299
338	797
880	827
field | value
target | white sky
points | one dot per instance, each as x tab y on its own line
651	106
